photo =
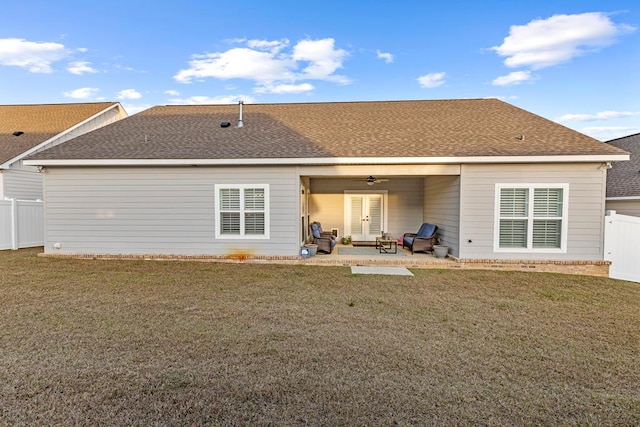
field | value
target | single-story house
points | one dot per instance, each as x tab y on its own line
623	180
28	129
500	182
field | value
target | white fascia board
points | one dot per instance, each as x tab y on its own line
32	150
330	161
623	198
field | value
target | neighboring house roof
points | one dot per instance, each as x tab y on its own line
39	123
623	179
286	133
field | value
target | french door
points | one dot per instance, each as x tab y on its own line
364	216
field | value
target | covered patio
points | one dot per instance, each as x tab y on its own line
429	261
363	202
370	255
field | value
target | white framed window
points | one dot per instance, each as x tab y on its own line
242	211
531	218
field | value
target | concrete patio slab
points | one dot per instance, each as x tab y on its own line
394	271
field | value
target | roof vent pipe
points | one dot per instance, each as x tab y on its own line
240	122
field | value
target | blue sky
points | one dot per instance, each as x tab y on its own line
574	62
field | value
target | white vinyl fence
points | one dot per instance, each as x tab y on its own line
21	223
622	246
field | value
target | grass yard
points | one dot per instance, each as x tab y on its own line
144	343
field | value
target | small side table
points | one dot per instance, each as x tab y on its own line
386	245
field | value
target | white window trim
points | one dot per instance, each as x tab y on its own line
529	249
242	187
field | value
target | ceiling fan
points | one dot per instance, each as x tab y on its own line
370	180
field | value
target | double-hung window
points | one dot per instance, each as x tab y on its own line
242	211
531	218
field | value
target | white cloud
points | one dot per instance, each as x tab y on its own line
35	57
546	42
513	78
431	80
80	67
285	88
323	59
385	56
606	133
82	93
236	40
502	97
269	45
602	115
172	92
199	100
237	63
269	64
122	67
129	94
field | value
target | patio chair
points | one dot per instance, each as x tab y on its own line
423	240
324	239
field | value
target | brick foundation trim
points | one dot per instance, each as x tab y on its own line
587	268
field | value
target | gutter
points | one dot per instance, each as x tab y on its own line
623	198
332	161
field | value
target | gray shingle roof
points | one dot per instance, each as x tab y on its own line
39	122
441	128
623	179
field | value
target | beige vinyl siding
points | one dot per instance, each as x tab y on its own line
442	207
404	202
406	212
161	210
586	207
22	183
624	207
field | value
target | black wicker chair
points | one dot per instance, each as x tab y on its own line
422	241
324	239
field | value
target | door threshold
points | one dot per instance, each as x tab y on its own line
363	243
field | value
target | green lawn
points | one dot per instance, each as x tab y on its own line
86	342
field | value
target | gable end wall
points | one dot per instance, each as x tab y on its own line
24	182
